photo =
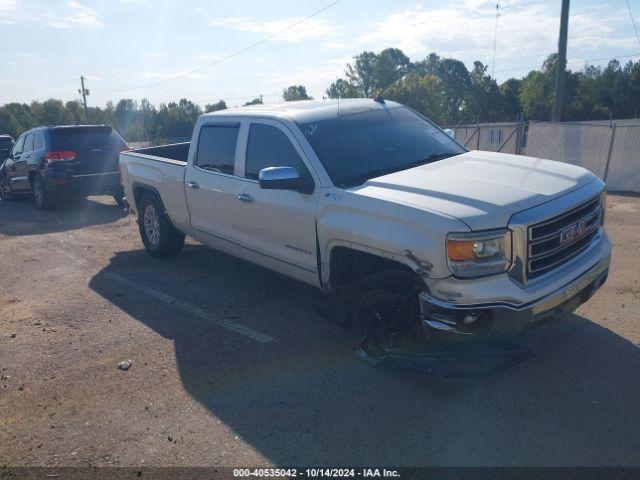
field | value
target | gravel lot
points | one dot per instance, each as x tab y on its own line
232	367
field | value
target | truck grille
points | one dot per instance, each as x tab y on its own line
557	240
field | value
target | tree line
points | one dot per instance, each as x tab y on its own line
447	92
441	88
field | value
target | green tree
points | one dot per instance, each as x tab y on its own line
214	107
255	101
484	101
341	88
422	93
126	118
456	83
510	91
295	92
75	112
19	117
9	124
536	92
371	73
50	112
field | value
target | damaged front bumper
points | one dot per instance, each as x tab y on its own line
504	319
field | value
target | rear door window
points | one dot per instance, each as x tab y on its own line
38	143
28	143
268	146
217	148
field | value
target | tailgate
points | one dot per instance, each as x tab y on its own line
96	148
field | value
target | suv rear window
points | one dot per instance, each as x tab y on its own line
79	137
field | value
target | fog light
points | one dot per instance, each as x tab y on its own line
470	318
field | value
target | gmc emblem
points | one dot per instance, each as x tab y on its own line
573	232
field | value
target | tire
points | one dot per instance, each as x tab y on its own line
160	237
41	196
5	190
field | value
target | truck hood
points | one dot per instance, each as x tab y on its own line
482	189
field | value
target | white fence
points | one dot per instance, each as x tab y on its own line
611	150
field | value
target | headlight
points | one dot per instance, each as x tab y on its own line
476	254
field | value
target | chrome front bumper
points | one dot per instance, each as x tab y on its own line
507	319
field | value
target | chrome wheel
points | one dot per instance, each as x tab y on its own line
152	224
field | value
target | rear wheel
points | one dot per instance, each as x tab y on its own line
160	237
5	190
41	196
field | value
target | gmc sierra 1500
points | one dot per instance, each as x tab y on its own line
334	193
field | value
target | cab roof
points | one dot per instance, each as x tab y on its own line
308	110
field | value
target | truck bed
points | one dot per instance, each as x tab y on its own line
175	151
159	169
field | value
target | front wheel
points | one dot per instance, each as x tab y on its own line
160	237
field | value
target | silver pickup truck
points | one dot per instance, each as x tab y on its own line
334	193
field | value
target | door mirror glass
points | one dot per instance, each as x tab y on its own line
284	178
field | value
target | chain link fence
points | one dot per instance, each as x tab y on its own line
611	150
505	137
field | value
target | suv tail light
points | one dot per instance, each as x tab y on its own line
59	156
120	175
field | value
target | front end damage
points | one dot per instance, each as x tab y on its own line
404	324
397	329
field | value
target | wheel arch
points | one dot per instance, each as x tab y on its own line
139	189
348	263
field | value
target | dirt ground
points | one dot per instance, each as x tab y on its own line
232	366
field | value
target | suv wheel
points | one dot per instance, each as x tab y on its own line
160	237
5	190
41	196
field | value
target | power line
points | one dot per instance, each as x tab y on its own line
521	4
586	60
633	21
234	54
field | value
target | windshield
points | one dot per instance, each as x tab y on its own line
358	146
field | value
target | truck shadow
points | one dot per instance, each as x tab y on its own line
305	398
21	217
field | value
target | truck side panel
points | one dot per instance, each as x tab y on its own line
166	177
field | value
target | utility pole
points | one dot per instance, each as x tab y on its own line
556	114
84	93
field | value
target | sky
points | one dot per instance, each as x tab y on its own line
136	48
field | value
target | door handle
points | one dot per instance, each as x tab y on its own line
245	197
193	185
27	156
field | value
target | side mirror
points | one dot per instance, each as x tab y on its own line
284	178
450	132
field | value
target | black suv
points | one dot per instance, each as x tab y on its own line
50	161
6	144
